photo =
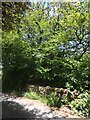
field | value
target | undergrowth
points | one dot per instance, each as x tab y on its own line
35	96
81	105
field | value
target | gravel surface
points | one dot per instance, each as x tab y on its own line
19	107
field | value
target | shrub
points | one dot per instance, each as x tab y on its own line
53	100
82	104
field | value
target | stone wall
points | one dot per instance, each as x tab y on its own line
60	92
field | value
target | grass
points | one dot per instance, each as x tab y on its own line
35	96
51	100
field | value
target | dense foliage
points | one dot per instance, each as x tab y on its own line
51	48
11	14
46	44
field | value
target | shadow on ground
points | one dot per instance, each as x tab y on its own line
12	109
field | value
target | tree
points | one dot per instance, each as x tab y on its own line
11	14
55	38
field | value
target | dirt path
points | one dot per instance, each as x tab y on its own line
19	107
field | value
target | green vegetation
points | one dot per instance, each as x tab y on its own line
53	100
47	44
35	96
82	104
50	100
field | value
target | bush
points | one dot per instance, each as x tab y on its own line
53	100
82	104
17	63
